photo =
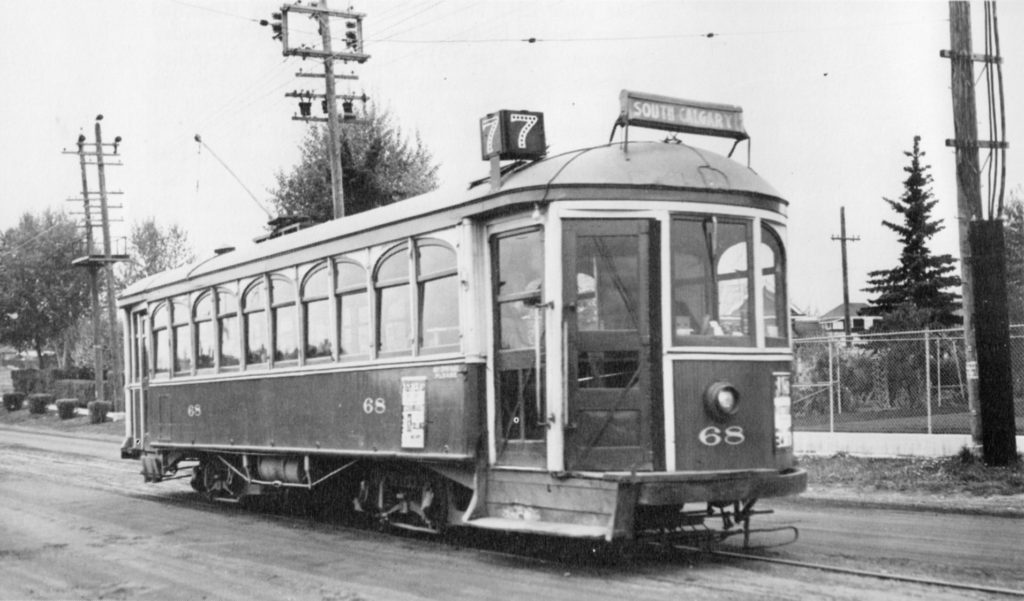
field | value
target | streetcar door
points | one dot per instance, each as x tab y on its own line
608	279
519	357
138	374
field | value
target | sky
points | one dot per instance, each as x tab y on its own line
833	93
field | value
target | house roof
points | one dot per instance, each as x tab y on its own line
838	313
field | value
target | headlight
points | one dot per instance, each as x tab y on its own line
721	400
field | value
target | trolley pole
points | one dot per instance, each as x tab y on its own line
843	239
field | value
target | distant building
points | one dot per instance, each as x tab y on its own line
804	325
832	322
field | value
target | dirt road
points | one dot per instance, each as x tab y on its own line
84	526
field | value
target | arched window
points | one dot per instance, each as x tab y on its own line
227	324
438	296
161	341
202	313
317	311
283	317
253	308
394	327
353	309
179	333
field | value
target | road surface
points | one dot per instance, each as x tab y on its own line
77	522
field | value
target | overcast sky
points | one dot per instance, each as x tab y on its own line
832	93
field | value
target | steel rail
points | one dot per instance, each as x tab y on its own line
855	572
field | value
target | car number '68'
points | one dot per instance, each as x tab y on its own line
712	436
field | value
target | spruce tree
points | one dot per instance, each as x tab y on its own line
922	284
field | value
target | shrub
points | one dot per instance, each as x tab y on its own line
66	408
37	402
98	411
13	400
83	390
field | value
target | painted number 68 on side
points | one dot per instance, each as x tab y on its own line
714	436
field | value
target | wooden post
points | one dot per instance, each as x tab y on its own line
968	188
108	266
333	151
94	291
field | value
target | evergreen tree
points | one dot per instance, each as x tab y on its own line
379	167
921	284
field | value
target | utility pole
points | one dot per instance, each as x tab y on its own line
353	52
94	259
843	239
990	387
94	286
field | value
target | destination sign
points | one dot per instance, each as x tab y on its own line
674	114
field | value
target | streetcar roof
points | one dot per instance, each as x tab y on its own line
649	166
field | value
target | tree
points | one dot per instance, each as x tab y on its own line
1015	258
920	285
379	167
152	249
41	293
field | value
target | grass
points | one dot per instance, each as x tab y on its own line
963	473
49	421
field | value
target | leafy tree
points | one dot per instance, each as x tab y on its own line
41	293
152	249
1015	258
379	166
919	287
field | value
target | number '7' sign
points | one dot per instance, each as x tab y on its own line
512	135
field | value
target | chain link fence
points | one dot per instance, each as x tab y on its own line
898	382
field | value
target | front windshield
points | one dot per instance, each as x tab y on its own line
712	281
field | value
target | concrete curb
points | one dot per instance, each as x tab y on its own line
902	504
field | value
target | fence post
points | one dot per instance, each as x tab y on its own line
928	377
938	367
831	389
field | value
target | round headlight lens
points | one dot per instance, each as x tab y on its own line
721	399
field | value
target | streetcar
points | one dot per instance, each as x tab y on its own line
593	344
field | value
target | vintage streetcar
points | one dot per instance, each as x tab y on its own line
593	345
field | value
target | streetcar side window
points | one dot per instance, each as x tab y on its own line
394	327
202	313
712	281
180	338
316	331
773	282
254	319
283	318
353	310
227	325
438	296
161	341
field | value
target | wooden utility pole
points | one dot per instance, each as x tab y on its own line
94	259
986	329
94	285
108	265
968	184
843	239
333	152
353	52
